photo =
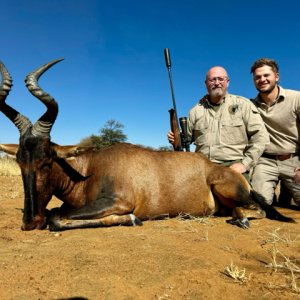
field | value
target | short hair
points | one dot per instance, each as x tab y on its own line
265	62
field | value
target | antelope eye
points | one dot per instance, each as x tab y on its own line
46	167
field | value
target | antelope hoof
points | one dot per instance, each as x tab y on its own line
53	220
243	223
38	222
135	220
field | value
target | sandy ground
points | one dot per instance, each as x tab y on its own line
169	259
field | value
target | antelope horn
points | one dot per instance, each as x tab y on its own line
43	126
6	82
21	122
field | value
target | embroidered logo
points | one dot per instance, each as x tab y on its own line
233	109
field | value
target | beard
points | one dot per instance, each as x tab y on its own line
217	92
268	89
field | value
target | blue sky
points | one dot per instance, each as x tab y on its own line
114	64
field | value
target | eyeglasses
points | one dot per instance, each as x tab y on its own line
213	80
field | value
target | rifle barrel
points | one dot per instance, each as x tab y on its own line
167	58
168	64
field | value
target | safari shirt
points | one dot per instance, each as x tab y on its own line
235	131
282	120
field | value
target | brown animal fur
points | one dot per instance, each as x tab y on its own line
122	184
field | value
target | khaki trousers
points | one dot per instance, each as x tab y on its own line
269	171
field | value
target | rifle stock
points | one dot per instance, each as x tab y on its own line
185	139
175	129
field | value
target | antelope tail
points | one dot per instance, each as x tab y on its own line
271	212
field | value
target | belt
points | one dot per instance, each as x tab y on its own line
279	157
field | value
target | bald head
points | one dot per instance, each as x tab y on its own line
216	83
216	72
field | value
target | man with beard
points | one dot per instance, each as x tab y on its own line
226	128
280	111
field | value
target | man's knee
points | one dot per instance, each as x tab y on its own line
296	198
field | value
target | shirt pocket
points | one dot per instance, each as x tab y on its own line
200	133
233	132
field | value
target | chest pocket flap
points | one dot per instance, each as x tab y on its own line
233	132
233	122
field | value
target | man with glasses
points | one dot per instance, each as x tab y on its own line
280	111
226	128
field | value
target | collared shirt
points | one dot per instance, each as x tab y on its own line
282	120
235	131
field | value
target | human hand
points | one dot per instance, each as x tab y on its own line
239	167
171	137
297	175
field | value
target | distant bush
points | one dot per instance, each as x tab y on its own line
110	134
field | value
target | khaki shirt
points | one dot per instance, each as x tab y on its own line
282	120
235	131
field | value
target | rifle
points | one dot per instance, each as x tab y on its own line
181	140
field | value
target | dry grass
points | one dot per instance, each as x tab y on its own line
202	220
191	221
275	236
190	225
234	272
280	261
9	166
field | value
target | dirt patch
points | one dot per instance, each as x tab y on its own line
169	259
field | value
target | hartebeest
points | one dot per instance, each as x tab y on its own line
122	184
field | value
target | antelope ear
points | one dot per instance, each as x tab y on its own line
11	149
70	150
